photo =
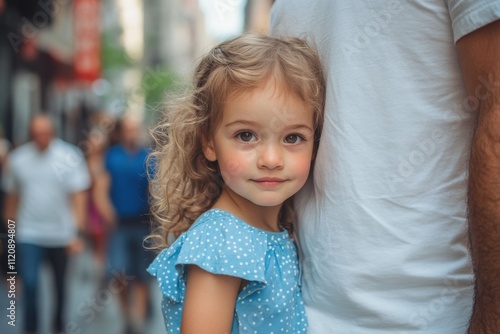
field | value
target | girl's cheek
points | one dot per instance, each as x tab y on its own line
304	165
231	168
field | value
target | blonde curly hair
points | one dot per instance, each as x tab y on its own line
184	183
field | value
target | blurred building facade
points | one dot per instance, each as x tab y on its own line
175	34
257	15
145	48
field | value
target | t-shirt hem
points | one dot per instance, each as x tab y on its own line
45	243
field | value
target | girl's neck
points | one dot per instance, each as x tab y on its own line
262	217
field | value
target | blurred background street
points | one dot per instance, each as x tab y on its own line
91	307
101	71
72	58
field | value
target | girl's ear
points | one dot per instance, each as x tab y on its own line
209	150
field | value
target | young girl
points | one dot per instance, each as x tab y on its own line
228	161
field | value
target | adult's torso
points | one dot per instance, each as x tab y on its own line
382	224
45	181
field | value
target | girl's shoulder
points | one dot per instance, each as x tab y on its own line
219	243
223	221
218	234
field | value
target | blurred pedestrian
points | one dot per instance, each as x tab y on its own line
96	228
45	184
123	202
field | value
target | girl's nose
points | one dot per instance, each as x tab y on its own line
271	157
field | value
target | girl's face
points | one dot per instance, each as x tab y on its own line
264	145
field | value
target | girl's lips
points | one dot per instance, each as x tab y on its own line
269	182
269	179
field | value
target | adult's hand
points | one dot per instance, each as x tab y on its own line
76	246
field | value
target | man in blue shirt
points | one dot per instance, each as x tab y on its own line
124	206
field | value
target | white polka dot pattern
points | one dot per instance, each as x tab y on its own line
221	243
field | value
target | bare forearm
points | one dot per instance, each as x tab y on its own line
100	197
105	208
80	209
11	202
478	53
484	221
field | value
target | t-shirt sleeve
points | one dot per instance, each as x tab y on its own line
469	15
217	248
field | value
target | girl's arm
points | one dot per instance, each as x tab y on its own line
209	302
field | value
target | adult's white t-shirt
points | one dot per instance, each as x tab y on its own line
382	223
44	182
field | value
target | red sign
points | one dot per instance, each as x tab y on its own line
87	23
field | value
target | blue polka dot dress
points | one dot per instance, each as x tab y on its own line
221	243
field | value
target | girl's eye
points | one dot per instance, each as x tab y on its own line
293	139
246	136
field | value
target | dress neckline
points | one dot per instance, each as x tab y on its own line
271	233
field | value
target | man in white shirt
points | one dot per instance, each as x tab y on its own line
383	224
45	183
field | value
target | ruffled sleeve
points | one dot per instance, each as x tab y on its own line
163	268
219	244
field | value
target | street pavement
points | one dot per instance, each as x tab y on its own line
91	308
